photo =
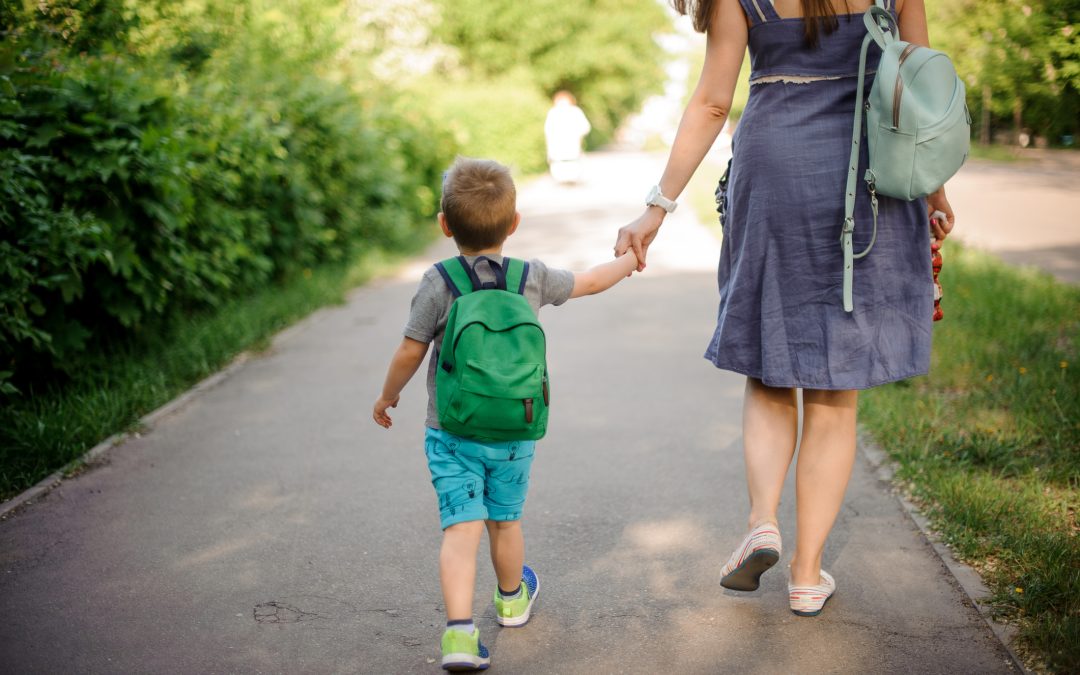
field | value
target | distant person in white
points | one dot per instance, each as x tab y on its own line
565	128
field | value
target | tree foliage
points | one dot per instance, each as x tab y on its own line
603	51
1019	58
157	162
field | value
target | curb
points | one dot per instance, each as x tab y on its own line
145	423
966	577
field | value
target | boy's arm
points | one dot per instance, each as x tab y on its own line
407	359
602	277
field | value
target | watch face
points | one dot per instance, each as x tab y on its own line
654	192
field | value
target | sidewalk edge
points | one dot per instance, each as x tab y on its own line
145	423
966	577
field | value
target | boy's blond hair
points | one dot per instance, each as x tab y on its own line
479	201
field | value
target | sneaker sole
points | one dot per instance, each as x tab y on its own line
462	662
519	621
817	611
747	576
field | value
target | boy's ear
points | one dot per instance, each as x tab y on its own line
442	224
517	221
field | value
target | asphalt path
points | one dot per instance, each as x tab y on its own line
269	526
1026	212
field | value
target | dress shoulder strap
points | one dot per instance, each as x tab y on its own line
759	11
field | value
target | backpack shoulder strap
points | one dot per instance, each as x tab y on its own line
517	273
457	275
877	21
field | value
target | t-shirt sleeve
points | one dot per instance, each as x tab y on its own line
555	284
426	307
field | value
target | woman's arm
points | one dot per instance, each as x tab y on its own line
701	122
912	14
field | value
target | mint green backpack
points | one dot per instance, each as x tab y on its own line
492	379
918	128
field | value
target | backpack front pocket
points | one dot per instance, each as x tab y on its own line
507	397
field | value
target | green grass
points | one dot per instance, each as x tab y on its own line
989	443
47	429
996	153
701	194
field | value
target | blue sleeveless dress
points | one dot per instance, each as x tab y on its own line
781	316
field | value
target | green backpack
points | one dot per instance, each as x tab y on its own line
492	379
918	128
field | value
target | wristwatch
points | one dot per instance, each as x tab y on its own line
657	198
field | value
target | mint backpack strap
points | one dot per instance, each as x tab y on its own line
517	273
457	275
876	18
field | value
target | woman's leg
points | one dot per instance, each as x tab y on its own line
826	457
770	429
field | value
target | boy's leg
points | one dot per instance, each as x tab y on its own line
506	486
507	552
457	568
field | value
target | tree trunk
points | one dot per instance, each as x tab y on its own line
1018	119
984	124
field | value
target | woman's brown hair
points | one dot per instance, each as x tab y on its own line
819	16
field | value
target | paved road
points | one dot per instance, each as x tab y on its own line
1026	213
269	526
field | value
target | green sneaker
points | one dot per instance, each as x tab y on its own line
463	651
516	612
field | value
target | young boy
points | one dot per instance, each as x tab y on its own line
479	482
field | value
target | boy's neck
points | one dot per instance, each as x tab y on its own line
494	250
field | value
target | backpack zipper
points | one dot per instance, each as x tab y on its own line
899	91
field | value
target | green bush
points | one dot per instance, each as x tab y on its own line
501	120
134	193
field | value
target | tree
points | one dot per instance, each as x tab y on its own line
603	51
1019	58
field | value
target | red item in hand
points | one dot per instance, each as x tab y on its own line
935	258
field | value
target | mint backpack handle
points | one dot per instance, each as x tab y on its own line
881	25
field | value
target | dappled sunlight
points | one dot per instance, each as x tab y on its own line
264	497
217	552
665	536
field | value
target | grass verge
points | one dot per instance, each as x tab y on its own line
989	444
46	429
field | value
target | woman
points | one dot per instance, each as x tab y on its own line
781	320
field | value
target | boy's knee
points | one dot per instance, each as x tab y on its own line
503	524
467	528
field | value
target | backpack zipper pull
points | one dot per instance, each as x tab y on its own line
528	410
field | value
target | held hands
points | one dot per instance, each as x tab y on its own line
938	202
639	234
379	414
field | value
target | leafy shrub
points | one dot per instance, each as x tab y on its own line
133	193
501	120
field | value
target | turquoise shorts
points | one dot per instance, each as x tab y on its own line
478	480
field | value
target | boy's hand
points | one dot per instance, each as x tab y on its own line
379	414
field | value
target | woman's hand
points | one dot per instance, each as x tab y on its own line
938	202
639	234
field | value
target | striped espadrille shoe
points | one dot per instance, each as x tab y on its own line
808	600
759	551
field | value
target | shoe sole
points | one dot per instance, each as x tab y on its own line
817	611
464	662
747	576
519	621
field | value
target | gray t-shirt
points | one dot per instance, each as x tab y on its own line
431	307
